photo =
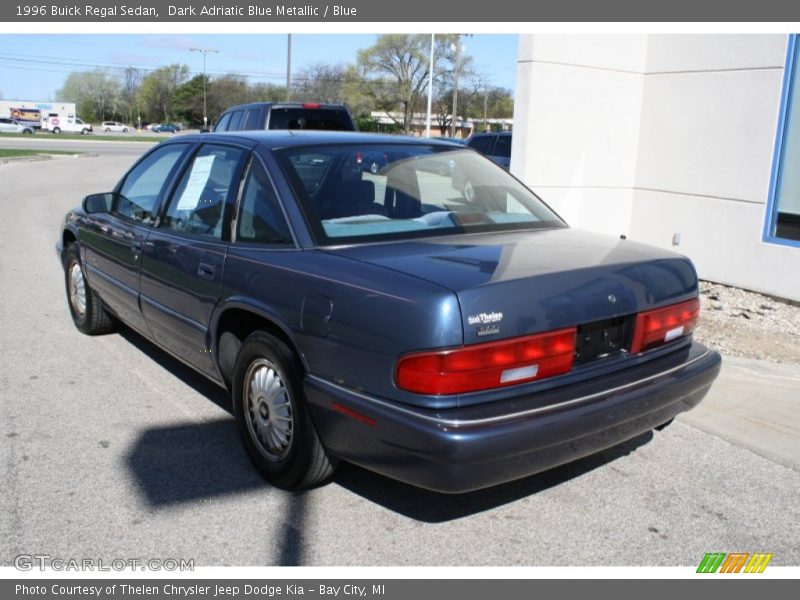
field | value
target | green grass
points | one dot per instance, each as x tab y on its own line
87	138
17	153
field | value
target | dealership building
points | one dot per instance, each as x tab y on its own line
689	142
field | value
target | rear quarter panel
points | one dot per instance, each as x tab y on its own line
349	320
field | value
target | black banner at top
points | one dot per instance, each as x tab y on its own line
382	11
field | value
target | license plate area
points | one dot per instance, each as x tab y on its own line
602	339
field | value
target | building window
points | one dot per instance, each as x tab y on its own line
783	214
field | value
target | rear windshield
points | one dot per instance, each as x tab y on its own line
310	118
374	192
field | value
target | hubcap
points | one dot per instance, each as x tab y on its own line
77	289
268	410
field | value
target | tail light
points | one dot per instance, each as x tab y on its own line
656	327
312	105
486	366
359	158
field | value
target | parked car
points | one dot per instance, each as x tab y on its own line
497	146
68	125
165	128
452	341
14	126
287	115
114	126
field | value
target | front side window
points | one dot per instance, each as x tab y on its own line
407	191
222	125
138	197
198	205
784	217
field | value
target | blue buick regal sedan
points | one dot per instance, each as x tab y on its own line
430	319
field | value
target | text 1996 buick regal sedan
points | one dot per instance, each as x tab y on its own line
433	320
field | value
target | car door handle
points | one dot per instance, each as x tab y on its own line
206	271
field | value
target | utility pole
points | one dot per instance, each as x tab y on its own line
204	52
289	67
454	116
430	89
485	105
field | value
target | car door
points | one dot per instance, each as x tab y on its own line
113	241
184	257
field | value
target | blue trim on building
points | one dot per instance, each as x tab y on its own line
789	82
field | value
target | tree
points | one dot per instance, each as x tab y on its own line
96	93
188	101
131	82
319	82
398	67
158	89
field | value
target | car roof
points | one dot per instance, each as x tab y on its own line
286	138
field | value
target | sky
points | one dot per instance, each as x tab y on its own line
33	67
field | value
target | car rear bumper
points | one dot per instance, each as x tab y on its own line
464	449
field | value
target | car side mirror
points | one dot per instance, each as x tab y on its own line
97	203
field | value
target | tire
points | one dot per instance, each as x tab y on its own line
107	130
272	416
124	130
56	130
89	315
373	168
84	132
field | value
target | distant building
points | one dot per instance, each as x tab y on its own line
464	127
683	141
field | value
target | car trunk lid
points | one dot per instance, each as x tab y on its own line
514	284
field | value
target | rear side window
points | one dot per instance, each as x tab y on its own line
310	118
222	124
251	119
503	146
138	196
260	218
482	144
198	204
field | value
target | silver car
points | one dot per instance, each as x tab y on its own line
14	126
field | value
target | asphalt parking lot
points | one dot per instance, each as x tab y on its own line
111	449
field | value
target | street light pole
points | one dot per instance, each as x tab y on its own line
455	88
205	52
289	67
430	89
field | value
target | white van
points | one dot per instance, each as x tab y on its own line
67	123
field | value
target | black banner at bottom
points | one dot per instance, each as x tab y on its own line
386	589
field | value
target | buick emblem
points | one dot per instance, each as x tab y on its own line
612	298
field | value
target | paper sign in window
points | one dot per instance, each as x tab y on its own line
198	178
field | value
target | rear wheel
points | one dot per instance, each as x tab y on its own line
85	305
124	130
272	415
56	129
84	131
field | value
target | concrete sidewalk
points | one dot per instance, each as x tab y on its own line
754	404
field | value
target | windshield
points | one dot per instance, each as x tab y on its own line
372	192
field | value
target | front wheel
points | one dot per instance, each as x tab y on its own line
56	130
85	305
272	415
125	130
